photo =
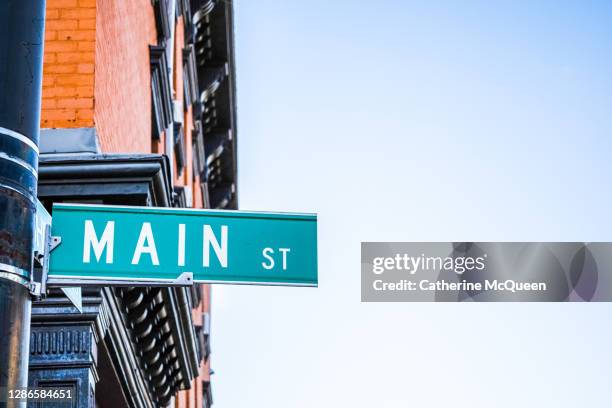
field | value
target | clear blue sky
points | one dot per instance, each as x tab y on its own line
416	121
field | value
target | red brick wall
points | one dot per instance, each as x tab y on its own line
96	70
68	65
124	31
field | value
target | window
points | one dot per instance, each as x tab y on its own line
183	7
190	79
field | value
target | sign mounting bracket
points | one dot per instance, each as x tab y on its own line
38	284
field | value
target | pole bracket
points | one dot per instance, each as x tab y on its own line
35	289
12	276
38	283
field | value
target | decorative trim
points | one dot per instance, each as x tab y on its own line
72	343
206	334
198	152
190	76
210	79
203	33
179	148
162	19
110	178
215	143
222	194
216	106
185	6
161	92
207	399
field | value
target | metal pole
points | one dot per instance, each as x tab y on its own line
22	24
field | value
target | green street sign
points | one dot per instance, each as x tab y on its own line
113	245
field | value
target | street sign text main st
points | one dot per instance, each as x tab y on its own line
147	245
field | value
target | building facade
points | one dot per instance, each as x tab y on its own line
138	108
